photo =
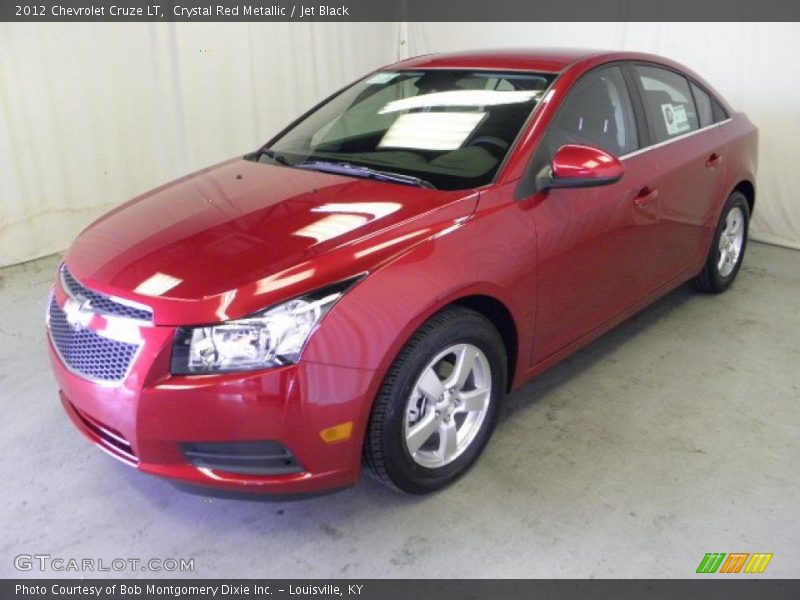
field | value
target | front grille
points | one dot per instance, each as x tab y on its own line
87	353
102	304
246	458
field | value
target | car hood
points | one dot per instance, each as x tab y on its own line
238	237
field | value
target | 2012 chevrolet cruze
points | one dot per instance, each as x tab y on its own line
366	286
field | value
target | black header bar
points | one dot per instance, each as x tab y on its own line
398	10
702	588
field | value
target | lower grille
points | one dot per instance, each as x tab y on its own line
108	438
246	458
87	353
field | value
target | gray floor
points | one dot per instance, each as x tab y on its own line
672	436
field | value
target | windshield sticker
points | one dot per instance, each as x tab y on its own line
381	78
675	118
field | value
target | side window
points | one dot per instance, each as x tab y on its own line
705	112
667	102
597	112
719	112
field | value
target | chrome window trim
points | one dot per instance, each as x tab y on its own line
675	139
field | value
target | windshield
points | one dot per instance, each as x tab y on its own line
448	129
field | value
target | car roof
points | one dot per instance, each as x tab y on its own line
543	60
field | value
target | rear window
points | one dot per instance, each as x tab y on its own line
719	112
705	109
668	102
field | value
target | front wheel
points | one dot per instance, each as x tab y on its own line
438	404
727	247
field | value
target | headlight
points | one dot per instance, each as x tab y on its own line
270	338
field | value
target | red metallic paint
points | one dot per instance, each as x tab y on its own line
574	161
252	226
563	265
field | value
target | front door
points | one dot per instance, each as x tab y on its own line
596	249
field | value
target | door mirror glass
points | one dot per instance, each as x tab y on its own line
575	166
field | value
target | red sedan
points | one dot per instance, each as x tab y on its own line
366	287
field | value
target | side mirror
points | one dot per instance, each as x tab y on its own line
577	166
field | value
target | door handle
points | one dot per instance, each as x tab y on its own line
645	196
713	160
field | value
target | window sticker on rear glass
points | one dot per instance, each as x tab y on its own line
381	78
675	118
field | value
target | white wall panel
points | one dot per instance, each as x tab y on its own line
94	114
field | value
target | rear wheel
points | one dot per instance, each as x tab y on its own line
727	247
437	406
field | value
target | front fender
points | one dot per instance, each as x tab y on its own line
491	254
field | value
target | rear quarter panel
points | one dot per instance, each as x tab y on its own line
739	140
740	137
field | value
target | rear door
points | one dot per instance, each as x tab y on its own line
688	157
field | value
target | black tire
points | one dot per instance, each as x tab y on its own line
711	280
386	455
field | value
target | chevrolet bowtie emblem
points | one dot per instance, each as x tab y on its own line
78	312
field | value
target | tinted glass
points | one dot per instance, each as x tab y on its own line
719	112
667	102
452	128
597	112
705	112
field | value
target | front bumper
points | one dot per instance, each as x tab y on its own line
150	419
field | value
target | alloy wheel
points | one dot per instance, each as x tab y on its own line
731	239
447	405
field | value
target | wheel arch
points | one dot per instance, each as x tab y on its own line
746	187
500	316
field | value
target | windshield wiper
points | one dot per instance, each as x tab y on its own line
271	154
344	168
